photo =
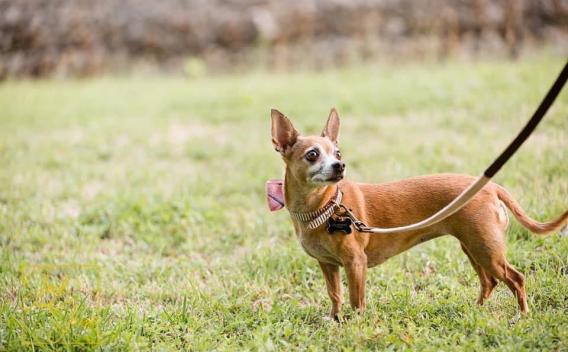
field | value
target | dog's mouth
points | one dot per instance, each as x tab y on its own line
332	178
319	177
335	178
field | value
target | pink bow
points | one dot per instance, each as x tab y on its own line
275	194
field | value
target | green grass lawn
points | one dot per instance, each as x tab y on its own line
132	210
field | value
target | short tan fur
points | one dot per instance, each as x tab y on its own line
480	226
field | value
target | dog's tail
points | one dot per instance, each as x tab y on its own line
540	228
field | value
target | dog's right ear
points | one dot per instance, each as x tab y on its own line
284	135
331	129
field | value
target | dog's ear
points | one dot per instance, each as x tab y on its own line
284	135
331	129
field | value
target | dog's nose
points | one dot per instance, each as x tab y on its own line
339	166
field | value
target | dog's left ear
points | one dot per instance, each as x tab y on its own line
284	135
331	129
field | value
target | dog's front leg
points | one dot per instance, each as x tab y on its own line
332	278
356	270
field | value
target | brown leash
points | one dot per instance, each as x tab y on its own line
343	212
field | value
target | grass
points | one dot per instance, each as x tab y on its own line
132	213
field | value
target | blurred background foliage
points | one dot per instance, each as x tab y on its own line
82	37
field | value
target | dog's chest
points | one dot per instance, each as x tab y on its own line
317	246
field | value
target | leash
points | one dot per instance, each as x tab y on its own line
461	200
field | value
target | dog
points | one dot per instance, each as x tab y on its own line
314	180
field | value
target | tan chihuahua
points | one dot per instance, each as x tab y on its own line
314	180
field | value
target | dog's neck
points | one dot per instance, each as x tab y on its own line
300	197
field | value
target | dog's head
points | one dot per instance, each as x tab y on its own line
312	160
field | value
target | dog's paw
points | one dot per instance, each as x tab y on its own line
564	231
332	317
516	318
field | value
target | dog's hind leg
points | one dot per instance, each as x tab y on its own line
332	278
488	250
513	279
487	281
516	283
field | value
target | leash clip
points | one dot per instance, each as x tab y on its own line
342	211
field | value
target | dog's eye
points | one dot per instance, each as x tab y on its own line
338	155
312	155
